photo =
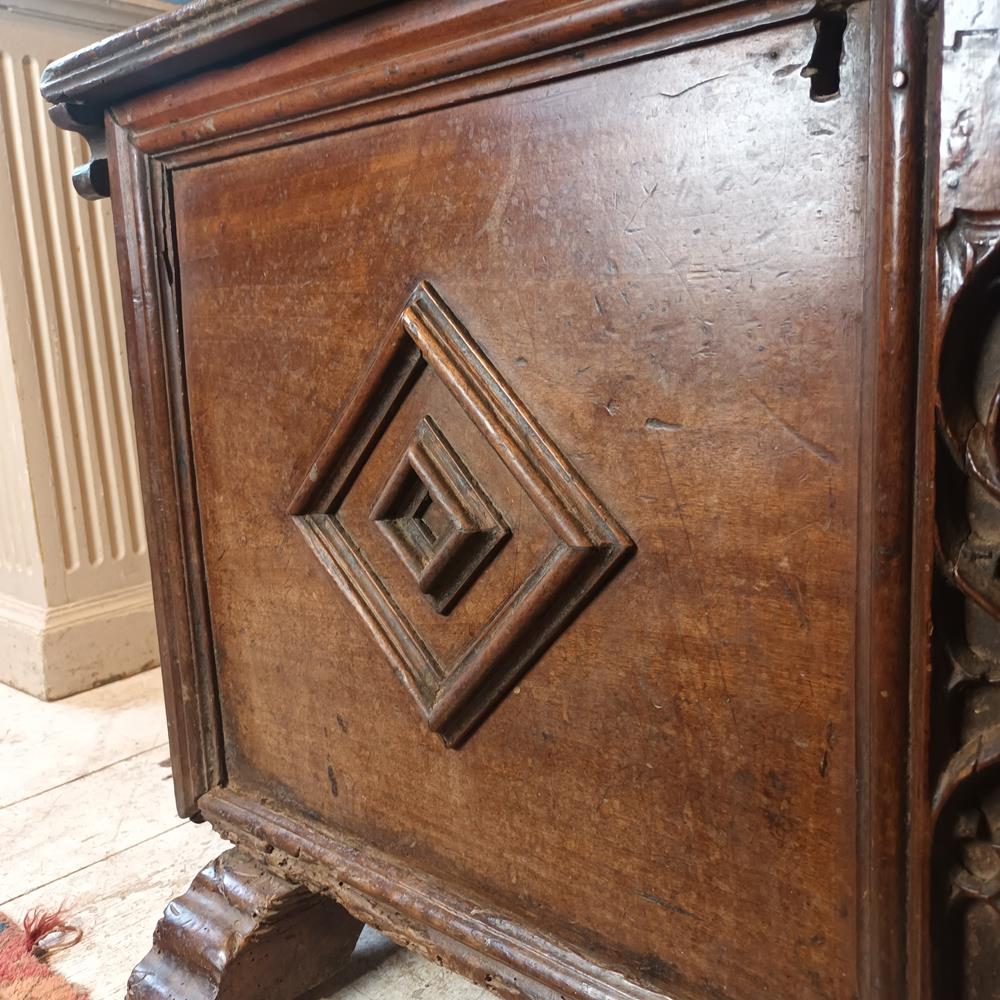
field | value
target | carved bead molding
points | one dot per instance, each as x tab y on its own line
444	526
965	740
91	179
243	933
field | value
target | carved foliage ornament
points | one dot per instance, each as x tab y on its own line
966	644
445	528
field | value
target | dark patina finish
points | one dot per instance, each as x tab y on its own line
570	449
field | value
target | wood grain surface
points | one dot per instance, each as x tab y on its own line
693	731
555	377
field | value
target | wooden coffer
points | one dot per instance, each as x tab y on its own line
570	445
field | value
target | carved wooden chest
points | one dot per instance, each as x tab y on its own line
570	443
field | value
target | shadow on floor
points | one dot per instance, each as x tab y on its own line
372	950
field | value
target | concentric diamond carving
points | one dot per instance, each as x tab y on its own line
445	528
437	518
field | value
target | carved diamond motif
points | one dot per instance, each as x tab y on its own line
444	527
438	519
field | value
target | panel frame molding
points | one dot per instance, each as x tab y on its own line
143	155
143	206
443	923
217	116
140	179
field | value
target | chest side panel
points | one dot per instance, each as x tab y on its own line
640	328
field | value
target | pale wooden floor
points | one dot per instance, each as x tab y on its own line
87	820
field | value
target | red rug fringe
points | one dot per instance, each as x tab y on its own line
23	976
38	923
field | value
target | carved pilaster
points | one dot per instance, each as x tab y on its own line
965	735
962	344
243	933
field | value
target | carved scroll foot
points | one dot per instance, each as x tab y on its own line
243	933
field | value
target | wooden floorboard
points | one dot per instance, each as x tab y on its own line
81	822
88	822
44	744
117	902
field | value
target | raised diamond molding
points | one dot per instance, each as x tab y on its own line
445	528
446	553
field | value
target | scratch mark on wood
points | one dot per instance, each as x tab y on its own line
831	739
822	453
629	227
694	86
665	904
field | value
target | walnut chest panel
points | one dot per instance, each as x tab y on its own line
703	411
530	399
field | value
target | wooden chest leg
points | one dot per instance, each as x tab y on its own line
241	932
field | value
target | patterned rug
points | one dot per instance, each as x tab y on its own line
23	976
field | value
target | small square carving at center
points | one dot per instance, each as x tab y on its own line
434	518
437	518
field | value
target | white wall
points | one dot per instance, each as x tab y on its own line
75	601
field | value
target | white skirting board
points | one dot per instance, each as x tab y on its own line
54	652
